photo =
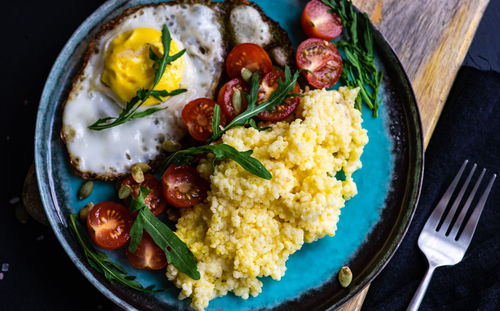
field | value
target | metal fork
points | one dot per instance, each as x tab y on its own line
441	240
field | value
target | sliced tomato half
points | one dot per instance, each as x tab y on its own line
197	115
319	22
109	224
322	59
154	200
225	98
183	186
267	86
250	56
148	255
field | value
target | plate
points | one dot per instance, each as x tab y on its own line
371	225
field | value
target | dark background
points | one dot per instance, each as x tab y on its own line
40	275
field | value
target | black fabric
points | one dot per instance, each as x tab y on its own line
40	275
468	128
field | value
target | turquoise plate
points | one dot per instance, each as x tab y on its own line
371	225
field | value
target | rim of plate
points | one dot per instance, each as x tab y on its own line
48	195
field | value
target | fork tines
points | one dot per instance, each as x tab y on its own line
441	220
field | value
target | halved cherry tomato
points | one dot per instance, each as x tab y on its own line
154	200
268	85
318	22
109	224
183	186
197	116
225	98
250	56
323	59
148	255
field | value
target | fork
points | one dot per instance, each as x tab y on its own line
441	240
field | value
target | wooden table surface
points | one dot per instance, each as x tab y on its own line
431	38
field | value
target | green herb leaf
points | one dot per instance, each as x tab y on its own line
253	124
99	261
359	62
220	151
176	251
136	204
216	131
159	66
135	234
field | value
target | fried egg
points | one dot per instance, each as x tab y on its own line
118	64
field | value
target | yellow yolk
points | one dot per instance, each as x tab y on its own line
128	67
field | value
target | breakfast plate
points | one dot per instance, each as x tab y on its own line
371	225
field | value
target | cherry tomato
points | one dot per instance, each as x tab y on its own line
225	98
109	224
250	56
318	22
197	116
148	255
154	200
267	86
183	186
323	59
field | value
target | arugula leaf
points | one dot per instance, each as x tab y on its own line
136	204
99	261
135	234
176	251
359	61
159	66
216	131
244	159
253	124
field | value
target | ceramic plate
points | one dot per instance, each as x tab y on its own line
371	225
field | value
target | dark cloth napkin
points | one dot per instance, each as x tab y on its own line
469	128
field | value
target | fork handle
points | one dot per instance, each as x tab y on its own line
419	294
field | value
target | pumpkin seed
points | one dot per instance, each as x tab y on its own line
345	276
237	101
246	74
85	190
171	146
84	212
137	174
143	166
21	213
124	191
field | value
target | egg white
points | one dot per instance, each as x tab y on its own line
109	153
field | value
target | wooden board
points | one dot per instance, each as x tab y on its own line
431	38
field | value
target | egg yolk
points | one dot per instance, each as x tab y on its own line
128	67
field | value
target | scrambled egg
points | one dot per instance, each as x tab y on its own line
249	226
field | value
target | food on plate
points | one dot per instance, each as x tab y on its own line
318	22
249	56
231	98
268	85
260	177
118	64
322	60
345	276
154	200
248	23
109	224
148	255
248	226
197	116
183	186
